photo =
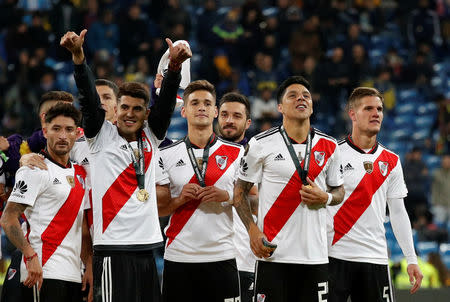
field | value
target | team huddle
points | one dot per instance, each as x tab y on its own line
290	215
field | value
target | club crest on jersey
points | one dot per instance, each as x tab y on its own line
81	181
70	180
368	166
11	273
221	161
260	297
383	167
319	156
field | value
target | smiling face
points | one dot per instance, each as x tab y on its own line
199	108
367	115
131	114
296	103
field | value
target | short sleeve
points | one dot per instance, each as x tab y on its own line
161	177
251	164
335	176
29	184
103	137
396	186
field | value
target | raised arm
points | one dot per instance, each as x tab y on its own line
162	110
93	113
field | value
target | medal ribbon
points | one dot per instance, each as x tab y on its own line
303	173
139	163
199	174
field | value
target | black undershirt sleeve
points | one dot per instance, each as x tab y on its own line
91	107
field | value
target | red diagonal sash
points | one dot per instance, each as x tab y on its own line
120	191
64	219
289	199
213	174
360	199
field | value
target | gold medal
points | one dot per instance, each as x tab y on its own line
308	186
142	195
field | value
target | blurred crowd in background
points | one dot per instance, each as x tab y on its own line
400	47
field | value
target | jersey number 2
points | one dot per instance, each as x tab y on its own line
323	290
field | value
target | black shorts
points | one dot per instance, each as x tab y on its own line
247	284
361	281
52	291
125	276
201	282
286	282
11	290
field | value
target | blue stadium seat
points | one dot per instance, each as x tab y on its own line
376	56
176	135
405	94
427	109
426	247
424	122
403	121
420	135
432	161
405	108
445	253
401	134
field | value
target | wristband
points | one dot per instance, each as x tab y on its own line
330	199
3	156
26	259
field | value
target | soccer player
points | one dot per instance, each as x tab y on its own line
373	176
126	225
233	121
52	201
199	258
297	169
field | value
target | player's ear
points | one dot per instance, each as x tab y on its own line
352	114
183	111
280	108
216	112
44	131
147	113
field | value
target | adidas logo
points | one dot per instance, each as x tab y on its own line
160	163
85	161
348	167
180	163
243	165
279	157
124	147
56	181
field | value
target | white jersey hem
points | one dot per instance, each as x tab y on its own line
199	259
380	261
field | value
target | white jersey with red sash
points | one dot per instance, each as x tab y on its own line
299	232
355	227
201	232
55	215
121	220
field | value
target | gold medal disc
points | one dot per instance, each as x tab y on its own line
142	195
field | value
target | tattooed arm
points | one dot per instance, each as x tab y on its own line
10	223
242	204
338	194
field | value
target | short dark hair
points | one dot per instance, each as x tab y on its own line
288	82
112	85
199	85
55	95
135	90
238	98
361	92
64	109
